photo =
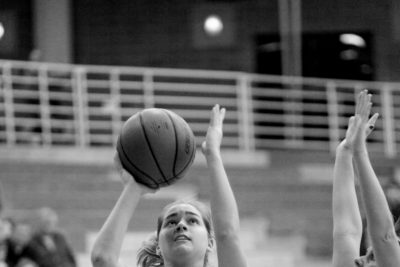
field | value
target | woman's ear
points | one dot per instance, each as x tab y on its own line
211	243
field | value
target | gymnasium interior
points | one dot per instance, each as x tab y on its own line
287	72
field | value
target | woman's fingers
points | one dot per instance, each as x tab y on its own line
373	119
371	124
364	105
217	115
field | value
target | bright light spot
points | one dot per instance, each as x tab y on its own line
213	25
1	30
352	39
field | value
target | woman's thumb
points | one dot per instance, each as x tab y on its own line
203	147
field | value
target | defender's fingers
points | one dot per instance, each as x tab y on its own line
364	106
372	120
371	124
369	106
359	101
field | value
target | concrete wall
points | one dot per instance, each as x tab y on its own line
52	30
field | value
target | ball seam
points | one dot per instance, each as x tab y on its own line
176	144
150	148
136	168
191	158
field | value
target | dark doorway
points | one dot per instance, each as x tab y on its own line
341	55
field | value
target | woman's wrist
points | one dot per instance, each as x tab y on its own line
213	154
360	152
343	147
134	188
137	188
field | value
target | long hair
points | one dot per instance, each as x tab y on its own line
397	227
147	255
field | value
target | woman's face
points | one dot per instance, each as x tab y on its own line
368	260
183	235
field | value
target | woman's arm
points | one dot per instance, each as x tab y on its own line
379	219
107	247
223	204
347	225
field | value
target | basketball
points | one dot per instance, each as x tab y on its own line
156	146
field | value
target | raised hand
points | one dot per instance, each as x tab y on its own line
125	176
360	126
214	132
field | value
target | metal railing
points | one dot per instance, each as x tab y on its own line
80	105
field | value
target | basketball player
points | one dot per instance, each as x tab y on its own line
186	235
385	250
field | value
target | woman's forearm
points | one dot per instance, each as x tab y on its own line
225	215
377	210
108	244
346	214
380	222
223	203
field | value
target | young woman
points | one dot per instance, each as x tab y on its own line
185	235
385	250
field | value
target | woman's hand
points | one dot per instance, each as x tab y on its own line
360	126
127	179
214	135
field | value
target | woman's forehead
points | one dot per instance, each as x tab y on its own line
182	208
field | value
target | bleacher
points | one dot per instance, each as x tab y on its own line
272	199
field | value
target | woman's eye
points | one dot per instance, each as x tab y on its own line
171	223
193	221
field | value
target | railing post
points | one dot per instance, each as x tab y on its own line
292	108
333	116
116	104
245	114
148	88
44	105
388	121
8	105
80	103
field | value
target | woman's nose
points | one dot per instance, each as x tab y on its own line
181	226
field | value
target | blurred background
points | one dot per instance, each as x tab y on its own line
337	39
71	72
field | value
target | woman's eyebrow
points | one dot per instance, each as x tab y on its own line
171	215
175	214
192	213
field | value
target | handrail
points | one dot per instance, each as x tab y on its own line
51	104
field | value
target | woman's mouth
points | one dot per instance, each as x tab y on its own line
181	237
